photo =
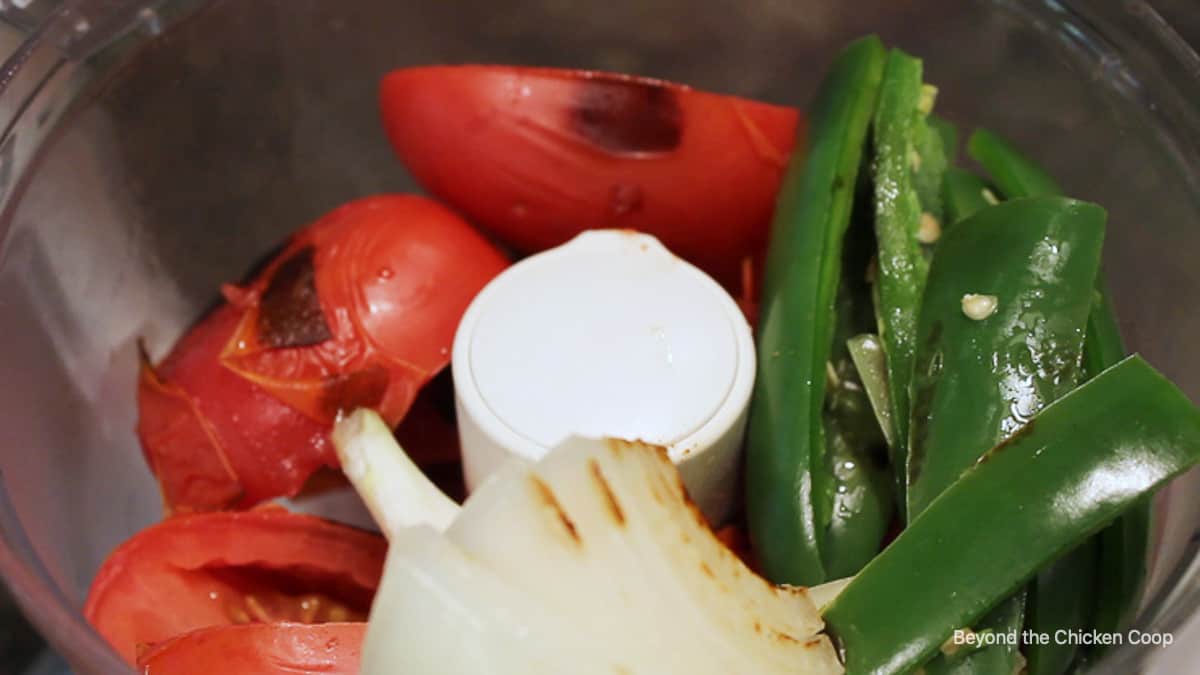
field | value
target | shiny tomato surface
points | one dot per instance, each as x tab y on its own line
536	155
359	309
213	569
260	649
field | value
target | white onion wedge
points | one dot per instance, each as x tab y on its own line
397	494
438	612
590	560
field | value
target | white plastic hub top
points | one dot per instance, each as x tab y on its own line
609	335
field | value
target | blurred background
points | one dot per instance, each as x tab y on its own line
22	652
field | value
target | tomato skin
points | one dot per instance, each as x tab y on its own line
392	276
359	309
537	155
260	649
215	569
214	439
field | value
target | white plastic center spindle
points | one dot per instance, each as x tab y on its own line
608	335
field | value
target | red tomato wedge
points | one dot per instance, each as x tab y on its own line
359	309
215	439
536	155
260	649
215	569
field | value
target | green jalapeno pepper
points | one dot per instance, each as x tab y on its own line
790	482
860	498
1122	548
1061	477
999	335
964	193
972	659
949	135
902	265
979	378
1013	173
1100	585
930	161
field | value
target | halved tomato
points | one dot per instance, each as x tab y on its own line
359	309
213	569
260	649
536	155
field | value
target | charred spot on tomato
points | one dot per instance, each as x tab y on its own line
627	116
289	311
360	389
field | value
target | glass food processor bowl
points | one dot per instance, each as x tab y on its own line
152	150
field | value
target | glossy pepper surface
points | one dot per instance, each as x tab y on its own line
789	483
1060	478
901	263
1099	585
978	380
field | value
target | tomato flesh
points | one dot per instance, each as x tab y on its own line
215	569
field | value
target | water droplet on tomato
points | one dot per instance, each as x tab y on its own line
624	198
526	91
385	273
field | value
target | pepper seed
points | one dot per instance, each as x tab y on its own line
930	229
978	306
